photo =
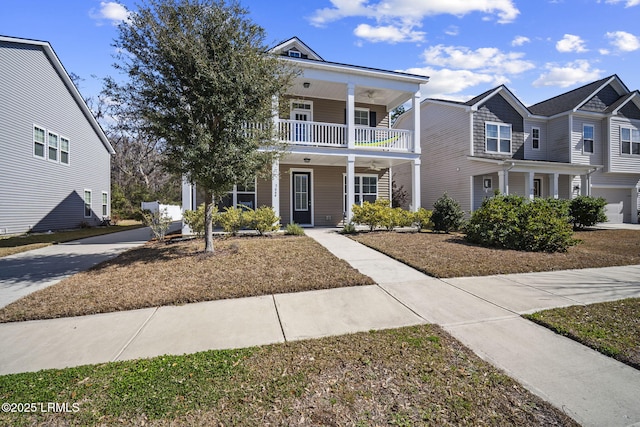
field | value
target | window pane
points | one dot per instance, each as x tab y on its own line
635	135
64	144
361	117
38	149
38	135
588	146
636	148
492	131
492	144
535	132
625	134
505	132
626	147
505	145
588	132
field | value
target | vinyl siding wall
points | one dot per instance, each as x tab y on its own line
330	111
36	192
577	154
498	110
618	162
558	131
541	152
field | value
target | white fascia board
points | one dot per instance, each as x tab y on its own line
584	101
539	166
634	96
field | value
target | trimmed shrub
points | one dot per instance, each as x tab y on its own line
371	214
232	220
294	229
447	215
263	219
587	211
422	219
496	222
195	219
391	218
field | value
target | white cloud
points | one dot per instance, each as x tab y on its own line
488	59
627	3
520	40
571	43
575	72
448	84
112	11
623	41
452	30
388	33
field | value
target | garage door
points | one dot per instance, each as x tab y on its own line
618	203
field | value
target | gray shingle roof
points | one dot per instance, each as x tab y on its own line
566	101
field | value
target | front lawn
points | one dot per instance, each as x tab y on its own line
410	376
612	328
178	273
449	255
26	242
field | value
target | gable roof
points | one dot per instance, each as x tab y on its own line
64	76
294	43
573	99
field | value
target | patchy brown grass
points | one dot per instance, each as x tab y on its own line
612	328
449	255
410	376
166	274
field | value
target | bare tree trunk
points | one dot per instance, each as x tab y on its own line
209	203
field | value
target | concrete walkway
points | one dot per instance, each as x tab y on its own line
482	312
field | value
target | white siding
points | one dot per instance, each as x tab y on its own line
577	154
558	139
529	152
623	163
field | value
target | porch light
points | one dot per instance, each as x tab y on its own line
306	85
306	160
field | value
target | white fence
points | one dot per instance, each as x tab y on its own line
173	211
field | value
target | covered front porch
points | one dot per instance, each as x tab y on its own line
530	179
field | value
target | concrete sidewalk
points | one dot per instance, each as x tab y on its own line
27	272
482	312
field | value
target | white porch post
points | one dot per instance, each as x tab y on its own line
553	185
415	185
528	185
351	108
275	186
187	201
503	181
585	184
415	104
351	197
634	205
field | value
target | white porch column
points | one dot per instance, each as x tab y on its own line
634	205
553	185
585	185
415	104
528	185
351	197
503	181
415	185
351	108
275	186
187	201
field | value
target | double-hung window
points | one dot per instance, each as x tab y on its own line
587	139
105	204
361	117
64	150
629	141
535	138
53	146
498	138
87	203
39	142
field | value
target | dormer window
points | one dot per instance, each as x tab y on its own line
294	54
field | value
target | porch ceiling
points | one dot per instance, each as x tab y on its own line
371	162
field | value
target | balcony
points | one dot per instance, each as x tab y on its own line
335	135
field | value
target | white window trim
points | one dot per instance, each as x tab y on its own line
57	159
33	141
631	142
344	185
311	188
593	140
102	205
294	53
84	202
60	138
533	138
368	116
498	145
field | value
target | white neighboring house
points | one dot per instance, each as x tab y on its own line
54	157
585	141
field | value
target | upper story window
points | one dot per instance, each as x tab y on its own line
294	54
361	116
38	142
64	150
53	147
629	141
587	139
498	138
535	138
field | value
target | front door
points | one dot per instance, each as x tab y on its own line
301	197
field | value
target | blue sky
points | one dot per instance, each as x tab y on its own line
538	48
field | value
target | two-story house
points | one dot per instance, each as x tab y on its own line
55	159
340	145
585	141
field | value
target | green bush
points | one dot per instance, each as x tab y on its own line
263	219
587	211
447	214
294	229
232	219
159	223
391	218
195	219
512	222
349	228
371	214
422	219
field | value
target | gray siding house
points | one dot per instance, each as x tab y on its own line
54	157
586	141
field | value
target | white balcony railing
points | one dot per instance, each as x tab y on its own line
335	135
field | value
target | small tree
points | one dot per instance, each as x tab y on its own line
158	221
587	211
447	215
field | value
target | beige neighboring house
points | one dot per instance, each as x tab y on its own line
341	148
585	141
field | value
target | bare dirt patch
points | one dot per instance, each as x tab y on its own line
168	274
449	255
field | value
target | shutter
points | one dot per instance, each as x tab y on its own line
372	119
